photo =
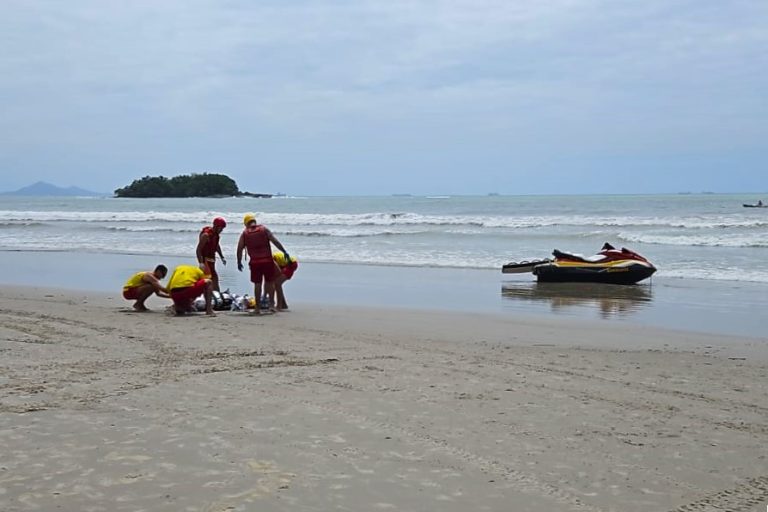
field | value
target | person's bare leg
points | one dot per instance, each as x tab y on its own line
144	292
257	296
210	270
179	309
279	294
269	289
208	294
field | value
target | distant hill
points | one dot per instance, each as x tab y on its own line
41	188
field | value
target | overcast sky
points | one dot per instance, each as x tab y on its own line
391	96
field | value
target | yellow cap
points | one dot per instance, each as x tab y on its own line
248	218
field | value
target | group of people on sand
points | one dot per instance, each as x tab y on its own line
188	282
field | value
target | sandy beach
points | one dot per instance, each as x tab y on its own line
338	408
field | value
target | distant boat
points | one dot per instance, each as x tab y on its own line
759	204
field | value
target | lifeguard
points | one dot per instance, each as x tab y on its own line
256	239
186	284
287	265
207	247
142	284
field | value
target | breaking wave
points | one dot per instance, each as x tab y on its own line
390	219
745	240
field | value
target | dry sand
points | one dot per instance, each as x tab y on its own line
104	409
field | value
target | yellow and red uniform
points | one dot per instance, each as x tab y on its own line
209	249
256	239
130	288
186	284
286	267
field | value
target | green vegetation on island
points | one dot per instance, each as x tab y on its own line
185	185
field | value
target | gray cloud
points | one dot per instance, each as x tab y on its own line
176	86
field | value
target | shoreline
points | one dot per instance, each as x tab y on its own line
360	408
449	326
721	307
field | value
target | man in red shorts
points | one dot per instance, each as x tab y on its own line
256	239
207	247
186	284
142	284
287	266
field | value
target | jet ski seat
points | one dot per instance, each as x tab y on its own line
566	256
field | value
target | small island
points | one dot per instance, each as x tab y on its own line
185	185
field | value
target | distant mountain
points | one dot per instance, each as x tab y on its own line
41	188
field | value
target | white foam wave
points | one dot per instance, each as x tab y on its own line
21	224
716	274
346	233
329	232
359	254
149	229
712	240
390	219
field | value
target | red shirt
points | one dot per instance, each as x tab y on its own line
256	241
209	249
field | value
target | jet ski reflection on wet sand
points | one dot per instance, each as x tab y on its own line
610	266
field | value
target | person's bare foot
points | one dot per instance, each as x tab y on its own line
173	310
141	308
209	312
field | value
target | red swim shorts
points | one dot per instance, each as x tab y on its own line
183	297
288	270
131	293
268	270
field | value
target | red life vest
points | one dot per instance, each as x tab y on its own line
257	242
209	249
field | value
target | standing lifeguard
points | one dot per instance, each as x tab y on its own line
207	247
256	239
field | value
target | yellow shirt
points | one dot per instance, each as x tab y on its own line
184	276
279	258
135	280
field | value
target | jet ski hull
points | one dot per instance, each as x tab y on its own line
621	272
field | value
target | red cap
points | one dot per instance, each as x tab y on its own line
219	222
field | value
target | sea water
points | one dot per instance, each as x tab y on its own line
704	236
431	251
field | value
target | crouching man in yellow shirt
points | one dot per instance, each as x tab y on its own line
142	284
186	284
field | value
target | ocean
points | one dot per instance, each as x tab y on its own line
705	236
430	252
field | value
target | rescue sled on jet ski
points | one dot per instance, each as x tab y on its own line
610	266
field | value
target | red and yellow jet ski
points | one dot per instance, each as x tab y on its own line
610	265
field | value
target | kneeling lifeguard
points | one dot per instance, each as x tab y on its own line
186	284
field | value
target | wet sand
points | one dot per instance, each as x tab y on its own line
333	408
724	307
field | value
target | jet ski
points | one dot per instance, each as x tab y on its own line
610	265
